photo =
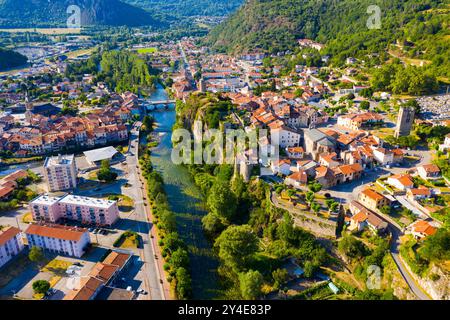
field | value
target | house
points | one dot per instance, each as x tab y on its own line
295	152
329	160
11	244
422	229
284	136
372	199
71	241
358	121
421	192
401	181
429	171
297	179
363	217
308	166
383	156
282	166
325	176
348	172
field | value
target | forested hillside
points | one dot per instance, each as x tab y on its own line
187	8
419	27
11	59
44	13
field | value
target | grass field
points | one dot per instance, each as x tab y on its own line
146	50
47	31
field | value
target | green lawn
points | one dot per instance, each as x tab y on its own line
146	50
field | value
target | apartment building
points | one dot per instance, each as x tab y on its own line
82	209
60	239
10	244
61	173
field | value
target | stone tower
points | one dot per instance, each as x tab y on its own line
405	121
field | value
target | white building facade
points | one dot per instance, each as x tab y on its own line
11	244
60	173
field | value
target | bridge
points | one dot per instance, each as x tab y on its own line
160	102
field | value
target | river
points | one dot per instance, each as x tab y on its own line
185	200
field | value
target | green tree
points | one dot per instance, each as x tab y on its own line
105	173
250	284
179	258
183	285
36	255
221	200
41	286
236	246
280	276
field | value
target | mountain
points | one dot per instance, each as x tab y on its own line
45	13
11	59
419	26
188	8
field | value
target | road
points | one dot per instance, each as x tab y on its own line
395	244
147	253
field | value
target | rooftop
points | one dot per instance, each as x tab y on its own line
56	231
85	201
100	154
7	234
59	160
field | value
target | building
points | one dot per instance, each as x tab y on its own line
60	173
363	217
282	166
429	171
422	229
101	277
11	244
405	121
317	142
401	181
372	199
297	179
358	121
383	156
9	183
95	157
71	241
82	209
446	145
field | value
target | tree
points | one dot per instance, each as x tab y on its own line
436	247
236	246
105	173
148	123
179	259
364	105
184	285
352	247
315	207
36	255
221	200
213	223
385	210
250	284
280	276
41	286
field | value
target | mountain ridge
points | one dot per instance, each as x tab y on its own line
43	13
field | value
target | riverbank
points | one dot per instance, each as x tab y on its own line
186	202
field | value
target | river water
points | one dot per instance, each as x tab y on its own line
185	200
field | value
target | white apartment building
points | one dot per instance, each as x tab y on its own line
10	244
82	209
284	137
61	172
60	239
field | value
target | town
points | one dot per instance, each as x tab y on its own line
79	219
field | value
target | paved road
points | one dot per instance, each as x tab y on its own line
147	253
415	288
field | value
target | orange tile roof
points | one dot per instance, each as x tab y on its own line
103	271
117	259
7	234
88	288
424	227
56	231
359	217
372	194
